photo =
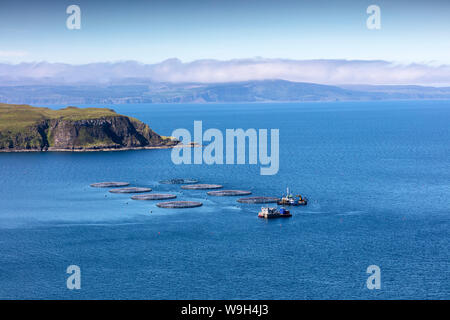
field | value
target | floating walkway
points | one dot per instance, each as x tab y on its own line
258	200
154	196
130	190
109	184
226	193
179	181
179	204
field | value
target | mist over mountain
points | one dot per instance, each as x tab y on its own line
330	72
206	81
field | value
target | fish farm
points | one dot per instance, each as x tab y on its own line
258	200
130	190
179	204
227	193
109	184
154	196
179	181
192	184
201	186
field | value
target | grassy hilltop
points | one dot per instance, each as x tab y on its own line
27	128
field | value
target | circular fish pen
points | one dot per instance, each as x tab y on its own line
179	181
154	196
202	186
179	204
258	200
109	184
130	190
227	193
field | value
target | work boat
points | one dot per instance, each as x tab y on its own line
290	200
271	213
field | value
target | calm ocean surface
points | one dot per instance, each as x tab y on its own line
377	175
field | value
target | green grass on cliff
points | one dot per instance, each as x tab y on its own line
25	127
18	117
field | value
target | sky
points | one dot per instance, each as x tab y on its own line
152	31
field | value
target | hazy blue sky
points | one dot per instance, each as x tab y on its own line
154	30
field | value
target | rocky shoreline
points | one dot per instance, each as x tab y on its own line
179	145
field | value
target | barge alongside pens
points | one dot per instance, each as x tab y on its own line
271	213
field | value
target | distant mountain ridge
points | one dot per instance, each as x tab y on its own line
233	92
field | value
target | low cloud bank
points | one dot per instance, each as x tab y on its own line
334	72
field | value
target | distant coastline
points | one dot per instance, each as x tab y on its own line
262	91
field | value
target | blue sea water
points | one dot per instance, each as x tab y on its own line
377	175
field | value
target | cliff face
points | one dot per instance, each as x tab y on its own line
67	130
111	132
29	138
